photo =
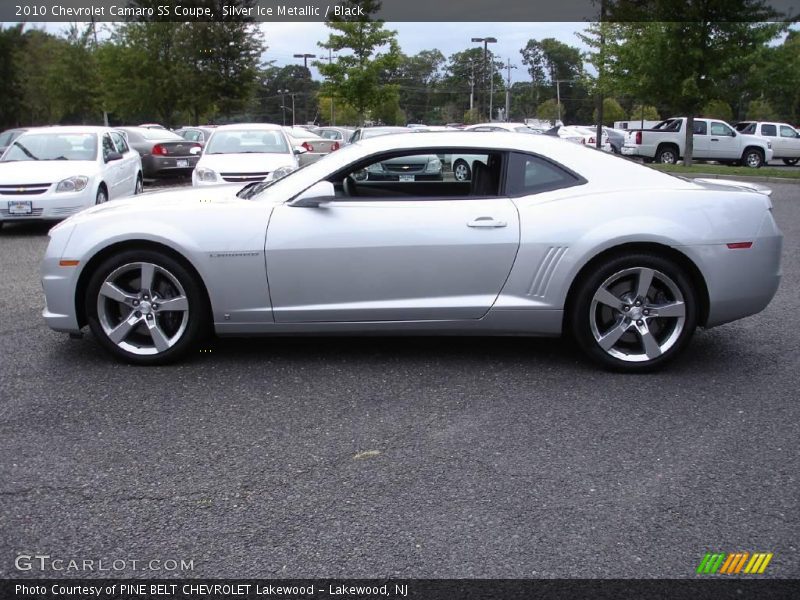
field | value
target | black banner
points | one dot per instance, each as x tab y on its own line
482	11
412	589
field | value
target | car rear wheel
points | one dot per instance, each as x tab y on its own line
634	313
145	307
790	161
461	171
667	155
753	158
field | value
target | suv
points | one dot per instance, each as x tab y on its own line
785	139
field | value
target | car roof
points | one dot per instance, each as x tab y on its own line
250	126
70	129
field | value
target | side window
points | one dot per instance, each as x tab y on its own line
718	128
769	130
119	142
192	135
788	132
700	128
528	174
108	146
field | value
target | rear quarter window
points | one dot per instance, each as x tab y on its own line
530	174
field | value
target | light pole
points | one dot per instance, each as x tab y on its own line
509	66
486	41
305	57
283	105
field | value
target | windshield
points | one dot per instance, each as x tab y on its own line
53	146
247	141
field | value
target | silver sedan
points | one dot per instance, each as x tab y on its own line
545	238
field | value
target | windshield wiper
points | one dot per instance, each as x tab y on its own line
253	189
25	150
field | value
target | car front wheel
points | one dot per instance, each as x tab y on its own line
461	171
753	158
634	313
145	307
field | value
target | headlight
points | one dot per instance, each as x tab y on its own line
434	166
206	175
72	184
280	173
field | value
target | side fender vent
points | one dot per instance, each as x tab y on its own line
543	275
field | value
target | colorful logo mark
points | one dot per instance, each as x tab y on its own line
734	563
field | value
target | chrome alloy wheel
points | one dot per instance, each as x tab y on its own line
637	314
142	308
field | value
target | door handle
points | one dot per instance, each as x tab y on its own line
714	139
486	222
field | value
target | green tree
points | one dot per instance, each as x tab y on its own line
548	111
11	75
700	44
556	69
612	111
760	110
356	77
644	112
418	81
718	109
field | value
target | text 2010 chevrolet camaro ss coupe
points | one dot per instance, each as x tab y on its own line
545	237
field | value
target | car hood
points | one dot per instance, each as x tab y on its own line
246	163
44	171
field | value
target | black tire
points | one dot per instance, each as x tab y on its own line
753	158
102	195
789	162
667	155
461	170
581	314
186	337
139	186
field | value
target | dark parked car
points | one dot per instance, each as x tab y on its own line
199	134
163	152
8	136
339	134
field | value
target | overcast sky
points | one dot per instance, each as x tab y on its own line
286	39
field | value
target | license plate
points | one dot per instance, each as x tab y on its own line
406	178
182	162
20	207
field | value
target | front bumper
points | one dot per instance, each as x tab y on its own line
59	284
50	206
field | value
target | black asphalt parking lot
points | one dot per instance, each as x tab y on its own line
399	457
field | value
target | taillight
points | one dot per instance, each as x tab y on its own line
740	245
638	137
160	150
334	146
307	146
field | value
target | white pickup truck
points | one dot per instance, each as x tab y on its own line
785	138
712	140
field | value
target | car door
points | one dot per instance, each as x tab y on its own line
722	142
112	169
700	141
128	168
789	143
396	258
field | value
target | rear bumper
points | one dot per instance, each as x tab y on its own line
157	166
742	282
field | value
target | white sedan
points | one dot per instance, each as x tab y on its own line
245	153
547	238
50	173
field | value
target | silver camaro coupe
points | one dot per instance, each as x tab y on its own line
545	238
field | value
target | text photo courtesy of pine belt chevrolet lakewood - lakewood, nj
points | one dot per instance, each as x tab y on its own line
391	299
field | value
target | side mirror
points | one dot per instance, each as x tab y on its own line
319	193
113	156
299	150
195	150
